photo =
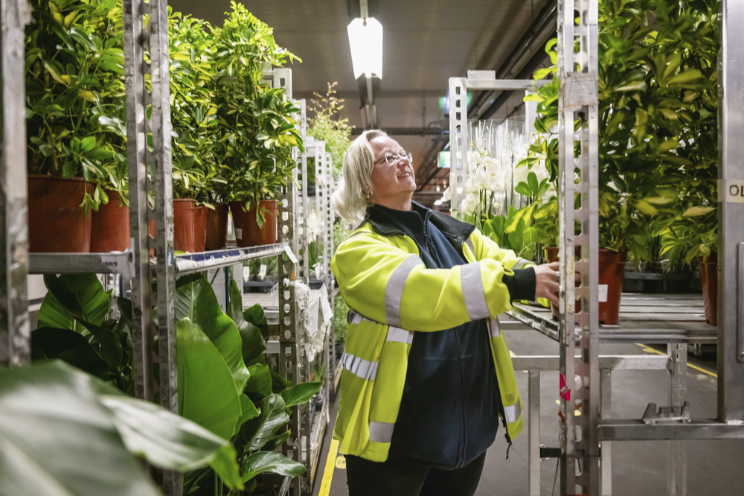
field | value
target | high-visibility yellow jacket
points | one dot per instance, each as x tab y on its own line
391	294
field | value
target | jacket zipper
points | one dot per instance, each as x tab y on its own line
461	401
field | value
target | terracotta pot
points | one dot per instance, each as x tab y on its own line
110	226
247	232
152	230
217	227
56	222
551	254
611	274
200	228
184	238
709	279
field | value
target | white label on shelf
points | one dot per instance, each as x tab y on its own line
318	271
731	190
262	272
246	273
324	305
238	233
603	293
289	253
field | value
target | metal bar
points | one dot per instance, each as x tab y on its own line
677	471
507	84
189	263
75	263
533	456
606	446
546	363
637	430
459	142
740	307
15	332
730	213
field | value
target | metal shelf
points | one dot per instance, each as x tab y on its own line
72	263
651	319
197	262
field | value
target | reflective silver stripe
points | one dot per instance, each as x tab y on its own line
356	318
469	242
521	263
472	291
394	288
494	328
363	369
512	413
381	432
399	335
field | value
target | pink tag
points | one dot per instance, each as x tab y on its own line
564	391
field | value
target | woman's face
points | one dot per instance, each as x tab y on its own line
395	180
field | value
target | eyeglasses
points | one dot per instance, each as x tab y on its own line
392	158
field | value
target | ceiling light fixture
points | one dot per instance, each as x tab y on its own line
365	39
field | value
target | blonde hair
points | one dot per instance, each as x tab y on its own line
350	198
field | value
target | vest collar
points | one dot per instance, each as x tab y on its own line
389	222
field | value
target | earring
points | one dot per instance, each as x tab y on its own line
367	196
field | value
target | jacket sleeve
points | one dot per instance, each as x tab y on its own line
390	285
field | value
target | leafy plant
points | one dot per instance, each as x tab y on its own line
657	129
47	409
257	130
326	125
75	94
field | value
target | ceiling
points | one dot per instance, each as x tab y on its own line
425	42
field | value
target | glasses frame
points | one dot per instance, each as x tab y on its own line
394	158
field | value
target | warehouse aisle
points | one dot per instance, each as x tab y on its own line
639	468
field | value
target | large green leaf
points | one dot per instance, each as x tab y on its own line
255	315
249	411
253	342
267	461
169	441
258	431
70	296
57	439
206	391
260	381
301	393
195	300
68	345
109	344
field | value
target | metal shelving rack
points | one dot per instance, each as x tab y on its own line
582	433
135	264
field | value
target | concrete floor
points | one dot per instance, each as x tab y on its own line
639	468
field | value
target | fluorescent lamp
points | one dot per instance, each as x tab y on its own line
365	39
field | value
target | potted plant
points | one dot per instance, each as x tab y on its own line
75	114
256	125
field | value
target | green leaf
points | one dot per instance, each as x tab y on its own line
56	439
532	182
301	393
260	381
195	300
250	335
88	143
73	296
206	390
68	345
110	347
262	428
169	441
276	441
249	411
266	461
686	77
697	211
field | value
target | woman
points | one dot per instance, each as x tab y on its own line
427	373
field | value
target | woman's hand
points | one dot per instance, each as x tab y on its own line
546	281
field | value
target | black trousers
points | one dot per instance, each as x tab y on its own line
396	477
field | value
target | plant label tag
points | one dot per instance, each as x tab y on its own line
318	271
289	253
324	305
262	272
603	293
238	233
731	190
246	273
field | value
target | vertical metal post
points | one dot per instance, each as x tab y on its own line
533	469
606	462
301	209
730	213
459	142
677	470
578	99
15	333
157	184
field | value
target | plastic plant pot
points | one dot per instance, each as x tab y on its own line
611	274
200	228
184	238
110	226
56	221
709	280
551	254
217	227
247	232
